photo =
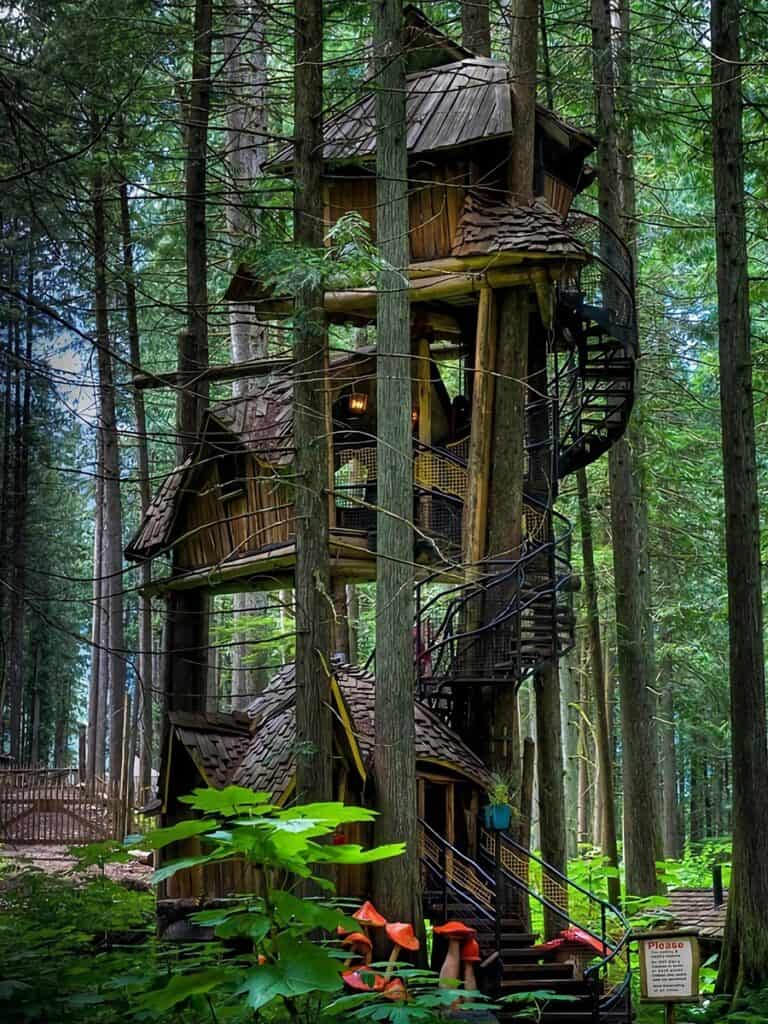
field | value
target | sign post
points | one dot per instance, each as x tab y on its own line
669	968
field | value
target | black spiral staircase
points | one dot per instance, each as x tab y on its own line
507	619
504	896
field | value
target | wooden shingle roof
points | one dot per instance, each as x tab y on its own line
270	756
155	528
447	107
259	751
216	742
262	422
486	228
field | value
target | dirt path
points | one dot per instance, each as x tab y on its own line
56	860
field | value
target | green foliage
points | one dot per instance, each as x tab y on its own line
426	1001
286	961
499	788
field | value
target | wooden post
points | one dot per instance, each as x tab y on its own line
422	393
81	749
124	767
479	461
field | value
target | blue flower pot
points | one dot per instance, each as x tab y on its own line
498	817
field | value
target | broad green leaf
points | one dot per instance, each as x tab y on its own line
331	812
301	967
182	986
351	853
309	912
169	870
251	926
160	837
227	801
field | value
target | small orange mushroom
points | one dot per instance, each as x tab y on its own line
404	937
456	933
368	916
395	990
470	954
359	945
356	981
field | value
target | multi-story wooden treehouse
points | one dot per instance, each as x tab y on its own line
484	617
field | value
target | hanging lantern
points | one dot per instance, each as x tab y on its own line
357	403
414	416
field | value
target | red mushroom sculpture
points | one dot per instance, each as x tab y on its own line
456	933
470	955
369	917
356	980
404	937
359	946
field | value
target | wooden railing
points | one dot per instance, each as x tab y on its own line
52	806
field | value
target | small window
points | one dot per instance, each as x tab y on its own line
231	475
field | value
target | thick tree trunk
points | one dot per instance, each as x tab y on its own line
112	532
245	58
602	739
476	27
186	634
310	427
745	951
549	765
642	838
396	882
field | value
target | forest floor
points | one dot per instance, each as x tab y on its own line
56	860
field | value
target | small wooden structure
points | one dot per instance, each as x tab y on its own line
256	749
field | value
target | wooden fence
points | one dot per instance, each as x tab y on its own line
53	806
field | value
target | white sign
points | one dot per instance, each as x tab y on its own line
669	968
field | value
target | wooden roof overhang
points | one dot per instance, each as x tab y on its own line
450	107
257	748
537	257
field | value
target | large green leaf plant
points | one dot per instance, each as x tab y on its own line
278	935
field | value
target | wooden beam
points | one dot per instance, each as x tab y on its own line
221	372
478	463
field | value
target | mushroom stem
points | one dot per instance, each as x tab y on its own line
470	983
450	969
392	960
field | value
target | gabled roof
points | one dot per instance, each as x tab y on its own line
261	422
447	107
259	751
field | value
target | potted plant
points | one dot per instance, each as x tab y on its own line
498	810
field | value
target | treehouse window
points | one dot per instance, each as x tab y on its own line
232	475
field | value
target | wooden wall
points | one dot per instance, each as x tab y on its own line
436	198
214	529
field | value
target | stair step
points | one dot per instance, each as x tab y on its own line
534	972
561	986
528	955
518	940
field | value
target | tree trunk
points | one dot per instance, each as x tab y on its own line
476	27
642	839
669	774
96	727
310	427
112	532
245	57
551	796
745	950
16	632
569	696
396	882
145	681
186	635
602	738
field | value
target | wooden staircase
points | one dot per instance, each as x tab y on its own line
498	904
